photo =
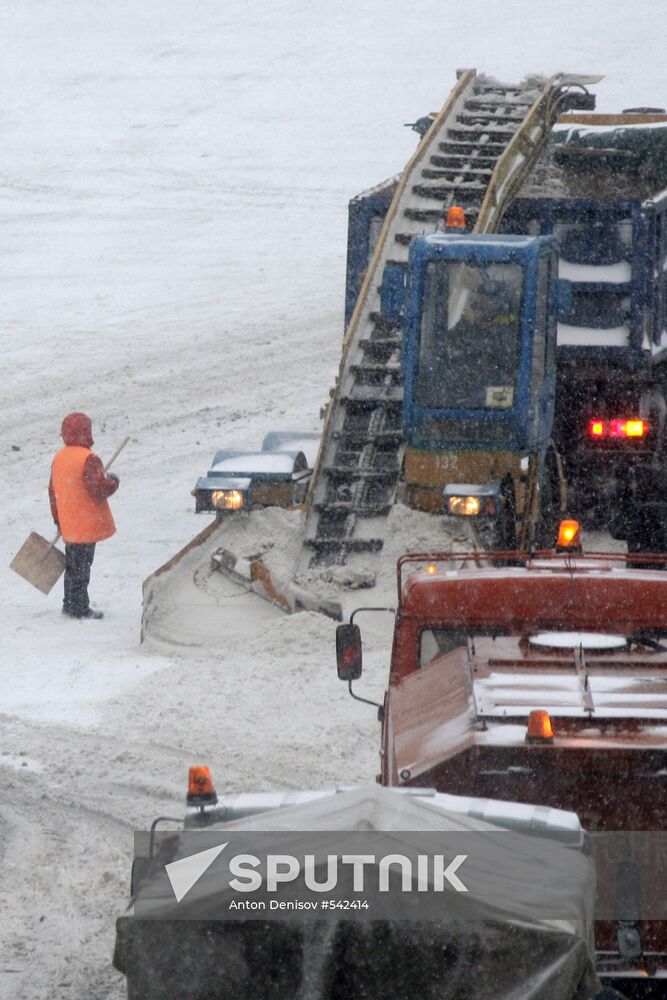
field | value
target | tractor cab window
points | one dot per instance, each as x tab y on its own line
470	335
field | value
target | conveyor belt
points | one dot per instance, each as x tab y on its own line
476	153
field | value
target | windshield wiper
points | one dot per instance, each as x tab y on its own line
648	640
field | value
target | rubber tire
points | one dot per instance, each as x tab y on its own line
506	523
546	529
648	531
503	537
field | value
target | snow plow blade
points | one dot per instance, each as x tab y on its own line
286	594
149	604
187	582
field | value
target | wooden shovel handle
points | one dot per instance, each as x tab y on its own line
116	454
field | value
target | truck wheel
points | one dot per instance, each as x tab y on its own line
500	535
506	523
617	523
647	530
546	528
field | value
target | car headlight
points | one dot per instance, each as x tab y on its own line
227	499
464	506
471	499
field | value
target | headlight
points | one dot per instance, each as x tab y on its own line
471	499
227	499
464	506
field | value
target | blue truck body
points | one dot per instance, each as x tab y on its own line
610	312
645	253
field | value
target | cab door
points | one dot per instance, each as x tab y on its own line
543	366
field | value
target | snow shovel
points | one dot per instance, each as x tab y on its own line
39	561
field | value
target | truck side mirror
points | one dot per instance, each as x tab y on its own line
561	292
348	652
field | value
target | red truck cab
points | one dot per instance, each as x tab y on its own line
541	682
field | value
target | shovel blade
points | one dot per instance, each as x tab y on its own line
39	562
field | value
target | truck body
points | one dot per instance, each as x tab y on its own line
561	342
482	654
513	947
482	147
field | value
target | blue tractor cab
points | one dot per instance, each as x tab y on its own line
479	349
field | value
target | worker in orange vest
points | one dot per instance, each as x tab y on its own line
78	492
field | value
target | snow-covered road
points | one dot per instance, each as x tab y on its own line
173	205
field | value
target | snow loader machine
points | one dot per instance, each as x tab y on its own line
505	354
527	333
542	681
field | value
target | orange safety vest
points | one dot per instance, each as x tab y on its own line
82	519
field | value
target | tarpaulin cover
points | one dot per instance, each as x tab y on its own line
510	950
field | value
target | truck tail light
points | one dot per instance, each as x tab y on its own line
618	428
629	428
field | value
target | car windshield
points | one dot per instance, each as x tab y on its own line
497	647
469	346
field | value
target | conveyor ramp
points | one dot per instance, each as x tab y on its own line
476	154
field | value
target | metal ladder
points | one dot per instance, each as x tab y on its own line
476	154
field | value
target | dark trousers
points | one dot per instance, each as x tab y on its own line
78	560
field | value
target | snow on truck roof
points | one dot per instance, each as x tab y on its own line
583	125
481	693
230	463
497	239
502	689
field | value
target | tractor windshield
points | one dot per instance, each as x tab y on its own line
470	335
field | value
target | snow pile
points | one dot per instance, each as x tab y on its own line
273	534
414	531
188	602
184	604
404	530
